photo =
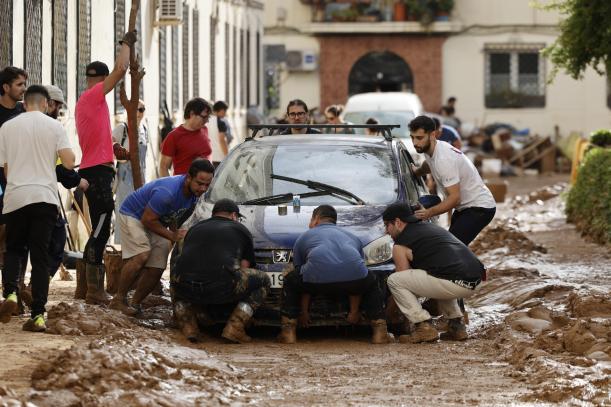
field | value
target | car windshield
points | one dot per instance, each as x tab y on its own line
383	117
368	172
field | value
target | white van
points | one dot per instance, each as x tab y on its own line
388	108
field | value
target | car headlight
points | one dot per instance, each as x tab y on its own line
378	251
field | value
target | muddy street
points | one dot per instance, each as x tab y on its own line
540	335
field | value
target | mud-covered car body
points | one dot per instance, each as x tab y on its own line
263	174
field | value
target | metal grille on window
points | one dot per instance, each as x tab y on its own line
212	58
6	39
185	53
258	51
139	51
83	49
119	31
175	95
243	68
196	52
162	67
33	41
248	65
60	46
227	54
500	72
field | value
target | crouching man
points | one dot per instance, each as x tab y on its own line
215	268
429	262
329	260
149	219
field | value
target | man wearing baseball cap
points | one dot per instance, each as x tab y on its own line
56	100
97	163
429	262
215	268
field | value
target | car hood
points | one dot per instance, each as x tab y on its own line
271	230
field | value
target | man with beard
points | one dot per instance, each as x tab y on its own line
463	188
297	113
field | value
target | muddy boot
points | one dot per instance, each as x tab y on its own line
380	333
81	280
96	295
8	308
234	329
186	320
288	330
457	331
119	303
424	332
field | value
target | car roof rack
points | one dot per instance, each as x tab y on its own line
274	129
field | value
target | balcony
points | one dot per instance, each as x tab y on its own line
386	27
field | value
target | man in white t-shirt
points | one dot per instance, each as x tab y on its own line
29	147
463	188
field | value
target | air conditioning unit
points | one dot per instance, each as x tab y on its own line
301	60
169	12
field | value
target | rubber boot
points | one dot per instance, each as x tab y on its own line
186	320
81	280
96	295
288	330
234	329
380	332
457	331
424	332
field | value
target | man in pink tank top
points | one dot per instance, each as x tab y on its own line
95	139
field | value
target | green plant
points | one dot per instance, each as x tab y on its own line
415	8
589	201
445	6
601	138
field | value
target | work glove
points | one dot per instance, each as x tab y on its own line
120	152
129	38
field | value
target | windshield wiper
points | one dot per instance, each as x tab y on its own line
269	199
319	186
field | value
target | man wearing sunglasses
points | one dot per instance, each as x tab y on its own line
297	113
188	141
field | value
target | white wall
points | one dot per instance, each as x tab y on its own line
502	12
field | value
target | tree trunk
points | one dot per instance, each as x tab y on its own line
131	105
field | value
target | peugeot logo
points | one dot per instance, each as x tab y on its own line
281	256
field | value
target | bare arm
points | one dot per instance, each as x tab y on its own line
119	70
223	143
150	220
164	166
423	170
401	256
457	143
451	201
66	155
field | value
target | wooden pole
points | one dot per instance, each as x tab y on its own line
131	105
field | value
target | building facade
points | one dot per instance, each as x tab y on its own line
213	49
486	53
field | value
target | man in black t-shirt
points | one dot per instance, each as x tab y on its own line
429	262
215	268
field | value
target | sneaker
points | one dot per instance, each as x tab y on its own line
8	308
36	324
424	332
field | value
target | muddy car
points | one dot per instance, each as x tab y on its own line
278	180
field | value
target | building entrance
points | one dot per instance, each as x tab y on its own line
380	72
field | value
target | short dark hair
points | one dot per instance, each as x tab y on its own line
197	106
372	120
36	92
335	110
400	210
451	99
9	74
422	122
325	212
297	102
219	105
449	110
437	123
200	165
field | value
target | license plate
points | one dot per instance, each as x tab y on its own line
276	277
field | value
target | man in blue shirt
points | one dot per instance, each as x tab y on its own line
329	260
149	219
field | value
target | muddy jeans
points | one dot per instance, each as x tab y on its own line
293	287
250	286
101	207
406	286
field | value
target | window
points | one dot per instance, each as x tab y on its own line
119	32
139	51
212	58
227	48
247	64
6	39
163	87
258	75
83	46
185	53
175	101
33	40
60	46
196	52
515	76
243	68
234	70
